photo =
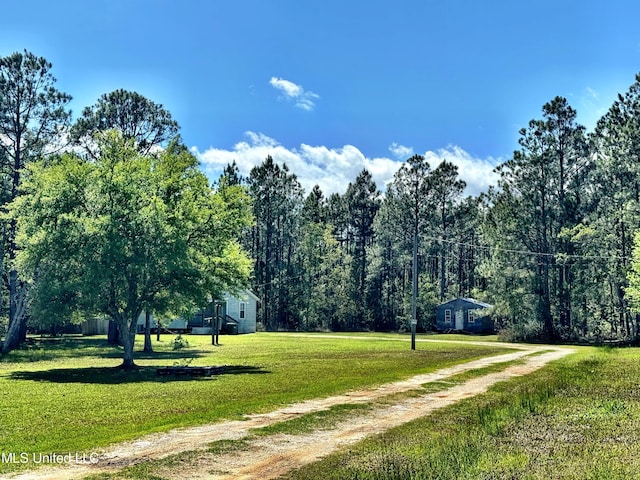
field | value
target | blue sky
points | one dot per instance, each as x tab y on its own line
331	87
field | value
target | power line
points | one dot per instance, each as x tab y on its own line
527	252
481	247
275	280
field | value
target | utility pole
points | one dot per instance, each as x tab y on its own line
414	292
215	323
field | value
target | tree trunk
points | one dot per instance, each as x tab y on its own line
148	348
11	340
443	278
545	303
17	312
127	338
443	252
113	335
22	332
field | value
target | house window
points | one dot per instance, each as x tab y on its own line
472	317
243	307
447	316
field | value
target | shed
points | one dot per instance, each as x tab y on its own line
95	326
464	314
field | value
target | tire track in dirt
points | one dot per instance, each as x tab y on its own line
275	455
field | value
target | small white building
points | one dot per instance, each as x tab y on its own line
237	313
241	308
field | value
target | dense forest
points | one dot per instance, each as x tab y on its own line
552	246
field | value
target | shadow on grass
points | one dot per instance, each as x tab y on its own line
64	341
37	349
169	355
116	375
42	349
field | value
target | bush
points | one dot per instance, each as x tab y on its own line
524	331
179	343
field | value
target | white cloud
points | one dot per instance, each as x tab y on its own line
400	151
288	88
334	168
476	172
331	168
290	91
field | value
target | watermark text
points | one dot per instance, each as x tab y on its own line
49	458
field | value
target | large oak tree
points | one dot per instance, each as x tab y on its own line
128	232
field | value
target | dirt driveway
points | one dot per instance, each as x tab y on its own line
272	456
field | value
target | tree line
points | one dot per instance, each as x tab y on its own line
111	214
551	246
343	262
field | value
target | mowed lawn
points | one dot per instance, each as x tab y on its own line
65	395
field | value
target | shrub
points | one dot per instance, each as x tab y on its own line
179	343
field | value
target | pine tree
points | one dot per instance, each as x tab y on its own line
33	116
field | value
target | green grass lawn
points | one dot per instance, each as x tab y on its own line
431	336
578	418
66	395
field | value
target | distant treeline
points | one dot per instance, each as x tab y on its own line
551	246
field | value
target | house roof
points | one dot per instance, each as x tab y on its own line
241	295
252	295
469	300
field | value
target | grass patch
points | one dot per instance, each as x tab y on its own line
448	382
456	337
538	353
576	419
479	372
435	387
65	395
310	422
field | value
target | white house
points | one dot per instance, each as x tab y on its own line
240	308
237	312
177	325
